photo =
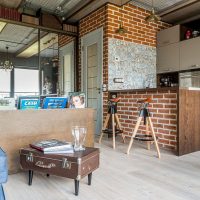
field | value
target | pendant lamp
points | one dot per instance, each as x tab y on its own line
121	30
152	17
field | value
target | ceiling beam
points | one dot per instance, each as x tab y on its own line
176	7
84	9
186	11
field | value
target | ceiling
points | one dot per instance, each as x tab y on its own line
159	5
20	38
10	3
16	37
171	11
66	9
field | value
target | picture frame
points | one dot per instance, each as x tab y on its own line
76	99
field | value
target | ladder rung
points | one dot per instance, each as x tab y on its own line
110	131
144	137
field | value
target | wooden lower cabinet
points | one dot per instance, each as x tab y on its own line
189	121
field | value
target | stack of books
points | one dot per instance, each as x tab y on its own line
53	146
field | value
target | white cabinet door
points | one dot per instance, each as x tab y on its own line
190	54
168	36
168	58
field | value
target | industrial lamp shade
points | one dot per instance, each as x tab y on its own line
152	17
121	30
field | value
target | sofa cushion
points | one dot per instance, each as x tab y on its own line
3	167
2	197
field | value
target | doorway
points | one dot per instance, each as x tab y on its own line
67	61
92	62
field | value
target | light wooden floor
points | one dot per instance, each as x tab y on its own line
139	176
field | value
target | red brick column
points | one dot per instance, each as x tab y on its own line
163	112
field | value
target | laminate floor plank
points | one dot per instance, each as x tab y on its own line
139	176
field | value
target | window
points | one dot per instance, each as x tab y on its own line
26	82
4	84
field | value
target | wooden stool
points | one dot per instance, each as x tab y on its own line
115	121
144	114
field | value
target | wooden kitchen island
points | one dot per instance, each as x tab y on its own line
175	115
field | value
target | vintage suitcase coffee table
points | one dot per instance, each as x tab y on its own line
75	166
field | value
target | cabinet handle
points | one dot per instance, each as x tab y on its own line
167	70
166	42
193	66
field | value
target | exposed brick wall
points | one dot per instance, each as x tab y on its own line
133	18
138	31
141	32
64	39
163	112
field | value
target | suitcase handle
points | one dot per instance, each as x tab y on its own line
42	165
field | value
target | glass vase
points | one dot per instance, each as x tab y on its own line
79	134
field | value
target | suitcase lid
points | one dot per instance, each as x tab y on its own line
89	151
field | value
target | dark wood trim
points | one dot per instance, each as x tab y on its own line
77	56
178	125
189	126
38	27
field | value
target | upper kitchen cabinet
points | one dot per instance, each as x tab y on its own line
168	58
189	54
168	36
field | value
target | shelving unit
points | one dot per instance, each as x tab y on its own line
174	52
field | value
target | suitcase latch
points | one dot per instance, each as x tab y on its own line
66	164
29	157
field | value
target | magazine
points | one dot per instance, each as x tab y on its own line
76	100
67	150
54	102
27	104
51	145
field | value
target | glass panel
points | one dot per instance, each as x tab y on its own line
49	62
26	82
19	48
4	84
67	74
33	54
92	74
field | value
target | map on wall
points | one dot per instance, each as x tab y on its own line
130	65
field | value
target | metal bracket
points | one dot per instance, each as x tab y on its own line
29	157
66	164
79	161
78	178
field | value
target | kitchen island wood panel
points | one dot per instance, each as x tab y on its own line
189	121
20	128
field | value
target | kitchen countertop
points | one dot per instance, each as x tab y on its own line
190	88
147	89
